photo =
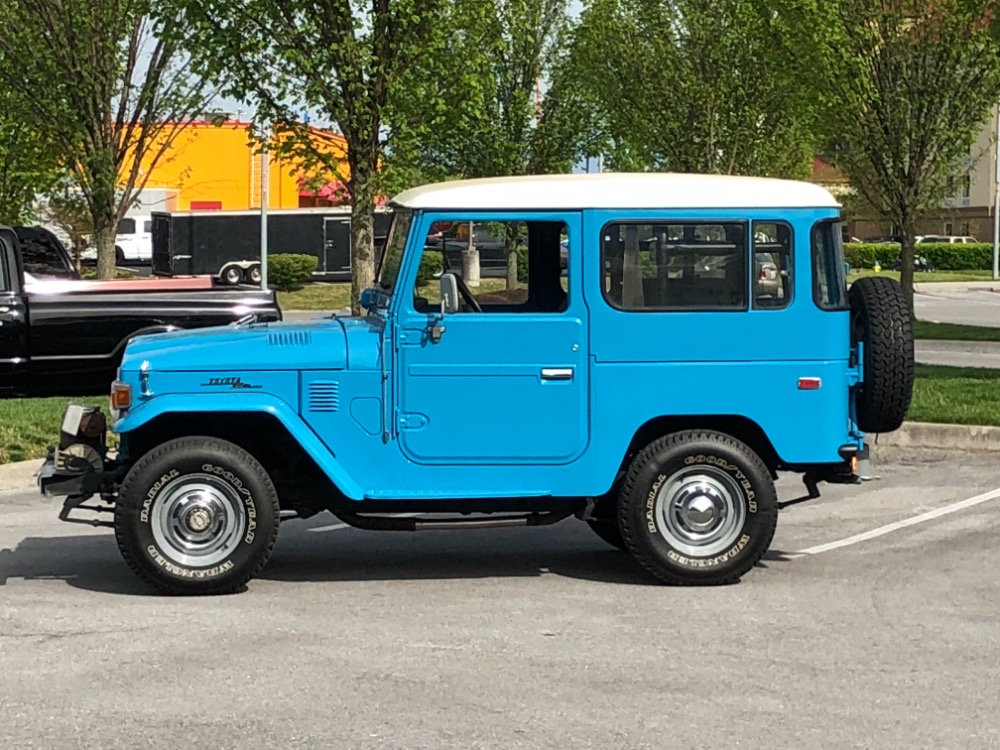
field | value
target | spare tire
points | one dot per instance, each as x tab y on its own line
881	320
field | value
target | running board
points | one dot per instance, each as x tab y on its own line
395	523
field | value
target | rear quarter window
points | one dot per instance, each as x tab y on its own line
829	278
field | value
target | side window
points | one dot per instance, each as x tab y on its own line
829	281
126	226
4	287
147	227
501	266
772	265
675	266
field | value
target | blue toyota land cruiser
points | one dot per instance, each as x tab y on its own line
660	348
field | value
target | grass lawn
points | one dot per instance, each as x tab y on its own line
922	329
325	297
956	395
923	277
29	425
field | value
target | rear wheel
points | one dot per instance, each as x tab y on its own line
197	516
255	274
698	507
232	275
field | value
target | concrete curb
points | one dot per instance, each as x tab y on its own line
20	475
958	437
956	286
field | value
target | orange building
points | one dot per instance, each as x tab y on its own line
213	167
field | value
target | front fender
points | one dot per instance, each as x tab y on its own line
258	403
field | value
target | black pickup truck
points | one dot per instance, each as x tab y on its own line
65	336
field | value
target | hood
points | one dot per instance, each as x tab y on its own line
315	345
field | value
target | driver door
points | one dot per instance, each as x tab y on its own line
13	321
508	383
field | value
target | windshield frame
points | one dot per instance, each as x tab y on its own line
399	232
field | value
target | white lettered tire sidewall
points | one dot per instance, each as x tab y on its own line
149	481
641	522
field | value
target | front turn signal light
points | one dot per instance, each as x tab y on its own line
121	396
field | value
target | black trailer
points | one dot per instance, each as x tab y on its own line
226	244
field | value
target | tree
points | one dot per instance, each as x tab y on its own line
107	84
691	86
340	57
470	108
908	85
29	165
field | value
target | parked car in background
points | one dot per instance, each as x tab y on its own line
947	239
43	256
63	336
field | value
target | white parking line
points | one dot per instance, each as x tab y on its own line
338	526
889	528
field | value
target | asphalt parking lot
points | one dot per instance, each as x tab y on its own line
872	623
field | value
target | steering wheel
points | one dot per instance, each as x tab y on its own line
470	300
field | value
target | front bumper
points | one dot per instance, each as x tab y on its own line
78	468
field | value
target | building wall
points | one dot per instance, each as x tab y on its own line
212	167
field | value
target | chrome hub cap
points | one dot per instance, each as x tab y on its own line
700	511
198	520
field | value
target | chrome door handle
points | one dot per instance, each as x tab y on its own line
557	373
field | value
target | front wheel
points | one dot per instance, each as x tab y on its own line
698	507
197	515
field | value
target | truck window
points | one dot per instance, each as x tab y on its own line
772	265
147	227
675	266
126	226
516	266
43	255
829	282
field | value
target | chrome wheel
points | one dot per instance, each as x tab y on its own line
700	510
198	520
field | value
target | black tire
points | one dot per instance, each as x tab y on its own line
153	487
607	529
119	256
881	320
730	467
232	275
255	274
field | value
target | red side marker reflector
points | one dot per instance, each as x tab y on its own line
809	384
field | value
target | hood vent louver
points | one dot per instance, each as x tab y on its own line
324	396
289	338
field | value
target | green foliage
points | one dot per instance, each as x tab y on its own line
110	106
907	86
29	164
942	255
341	60
689	86
467	107
287	272
431	264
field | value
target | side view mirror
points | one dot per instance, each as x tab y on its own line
449	293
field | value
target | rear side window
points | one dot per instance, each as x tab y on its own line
675	266
126	226
772	265
829	280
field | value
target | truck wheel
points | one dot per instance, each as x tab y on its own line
698	507
255	274
881	320
232	275
119	256
197	515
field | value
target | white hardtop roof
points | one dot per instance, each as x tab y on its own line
641	190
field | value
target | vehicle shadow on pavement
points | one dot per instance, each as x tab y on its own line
89	562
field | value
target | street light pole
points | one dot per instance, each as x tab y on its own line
996	204
264	197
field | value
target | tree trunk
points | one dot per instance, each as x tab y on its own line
104	240
510	244
908	234
362	237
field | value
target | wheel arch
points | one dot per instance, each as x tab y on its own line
738	426
285	448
